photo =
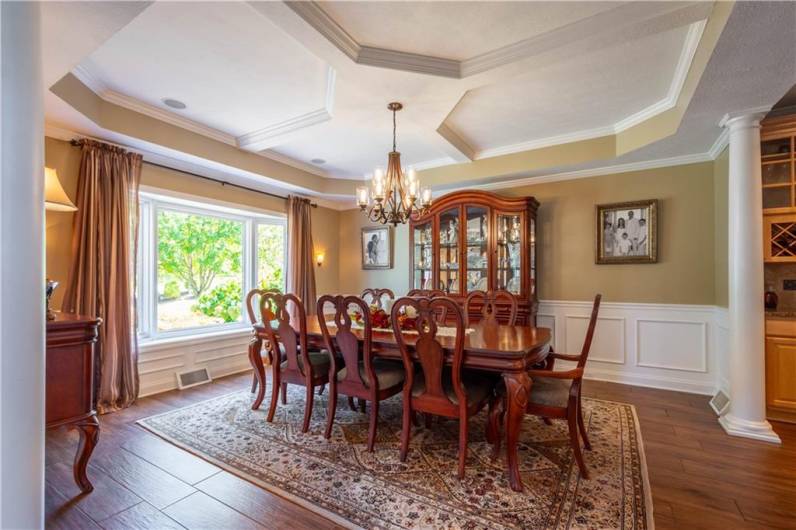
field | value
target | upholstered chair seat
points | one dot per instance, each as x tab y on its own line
388	373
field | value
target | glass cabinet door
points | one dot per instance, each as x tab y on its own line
476	233
449	251
423	257
509	247
532	256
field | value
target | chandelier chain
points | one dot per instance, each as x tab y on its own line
393	129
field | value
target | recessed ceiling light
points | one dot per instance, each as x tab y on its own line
318	161
174	103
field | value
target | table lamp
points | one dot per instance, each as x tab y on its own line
55	199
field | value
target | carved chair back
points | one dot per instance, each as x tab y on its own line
430	353
276	321
347	342
492	302
584	352
252	304
376	296
442	312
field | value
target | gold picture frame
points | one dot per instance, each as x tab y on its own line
377	255
626	232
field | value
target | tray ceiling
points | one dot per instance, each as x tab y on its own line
302	81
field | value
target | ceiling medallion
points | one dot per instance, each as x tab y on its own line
395	194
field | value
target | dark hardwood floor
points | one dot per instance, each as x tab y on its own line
700	477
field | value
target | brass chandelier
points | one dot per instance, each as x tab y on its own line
396	196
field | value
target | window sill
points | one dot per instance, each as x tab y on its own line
199	337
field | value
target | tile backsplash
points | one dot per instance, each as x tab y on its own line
775	275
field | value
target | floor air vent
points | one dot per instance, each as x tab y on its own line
193	378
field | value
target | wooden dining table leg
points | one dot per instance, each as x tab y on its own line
256	360
518	388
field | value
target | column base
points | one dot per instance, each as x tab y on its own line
756	430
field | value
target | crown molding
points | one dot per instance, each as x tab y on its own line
430	164
454	139
690	45
87	77
269	136
410	62
596	172
152	111
298	164
722	140
326	26
754	113
254	180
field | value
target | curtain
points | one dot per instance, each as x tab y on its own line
300	266
102	273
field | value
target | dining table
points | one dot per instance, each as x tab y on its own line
498	349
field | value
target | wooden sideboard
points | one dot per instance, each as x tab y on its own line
71	345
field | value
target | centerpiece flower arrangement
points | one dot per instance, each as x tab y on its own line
380	319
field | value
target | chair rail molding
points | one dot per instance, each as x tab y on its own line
629	348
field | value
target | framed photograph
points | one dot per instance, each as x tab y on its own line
377	247
627	232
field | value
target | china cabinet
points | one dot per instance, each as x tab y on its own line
476	240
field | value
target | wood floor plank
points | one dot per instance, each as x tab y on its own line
146	480
202	512
700	477
61	513
170	458
108	498
259	504
142	516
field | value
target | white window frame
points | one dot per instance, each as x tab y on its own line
153	202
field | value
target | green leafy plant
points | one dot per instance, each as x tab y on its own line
196	248
223	301
271	256
171	290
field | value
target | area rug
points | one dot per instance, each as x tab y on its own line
341	480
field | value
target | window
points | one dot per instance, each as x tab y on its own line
196	261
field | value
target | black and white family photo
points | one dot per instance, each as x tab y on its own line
626	232
376	248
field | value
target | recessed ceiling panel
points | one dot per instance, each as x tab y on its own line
587	92
454	30
235	70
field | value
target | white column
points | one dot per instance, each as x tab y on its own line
21	269
747	413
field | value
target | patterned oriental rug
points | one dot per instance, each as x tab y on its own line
340	480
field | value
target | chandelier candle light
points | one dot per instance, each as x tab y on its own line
396	196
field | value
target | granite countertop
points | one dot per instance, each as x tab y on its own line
782	314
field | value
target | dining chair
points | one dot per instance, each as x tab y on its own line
442	312
294	362
434	388
253	320
557	394
376	296
492	303
373	379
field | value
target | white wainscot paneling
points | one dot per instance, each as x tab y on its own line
670	346
608	343
223	354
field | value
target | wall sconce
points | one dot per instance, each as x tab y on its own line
319	257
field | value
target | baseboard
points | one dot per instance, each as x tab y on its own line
662	383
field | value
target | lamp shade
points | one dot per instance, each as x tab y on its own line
55	198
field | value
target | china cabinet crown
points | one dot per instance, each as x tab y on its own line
476	240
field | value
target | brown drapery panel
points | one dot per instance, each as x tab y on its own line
300	267
102	273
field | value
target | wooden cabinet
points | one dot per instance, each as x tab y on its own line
475	240
70	390
778	159
781	378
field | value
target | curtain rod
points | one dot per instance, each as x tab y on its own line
211	179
